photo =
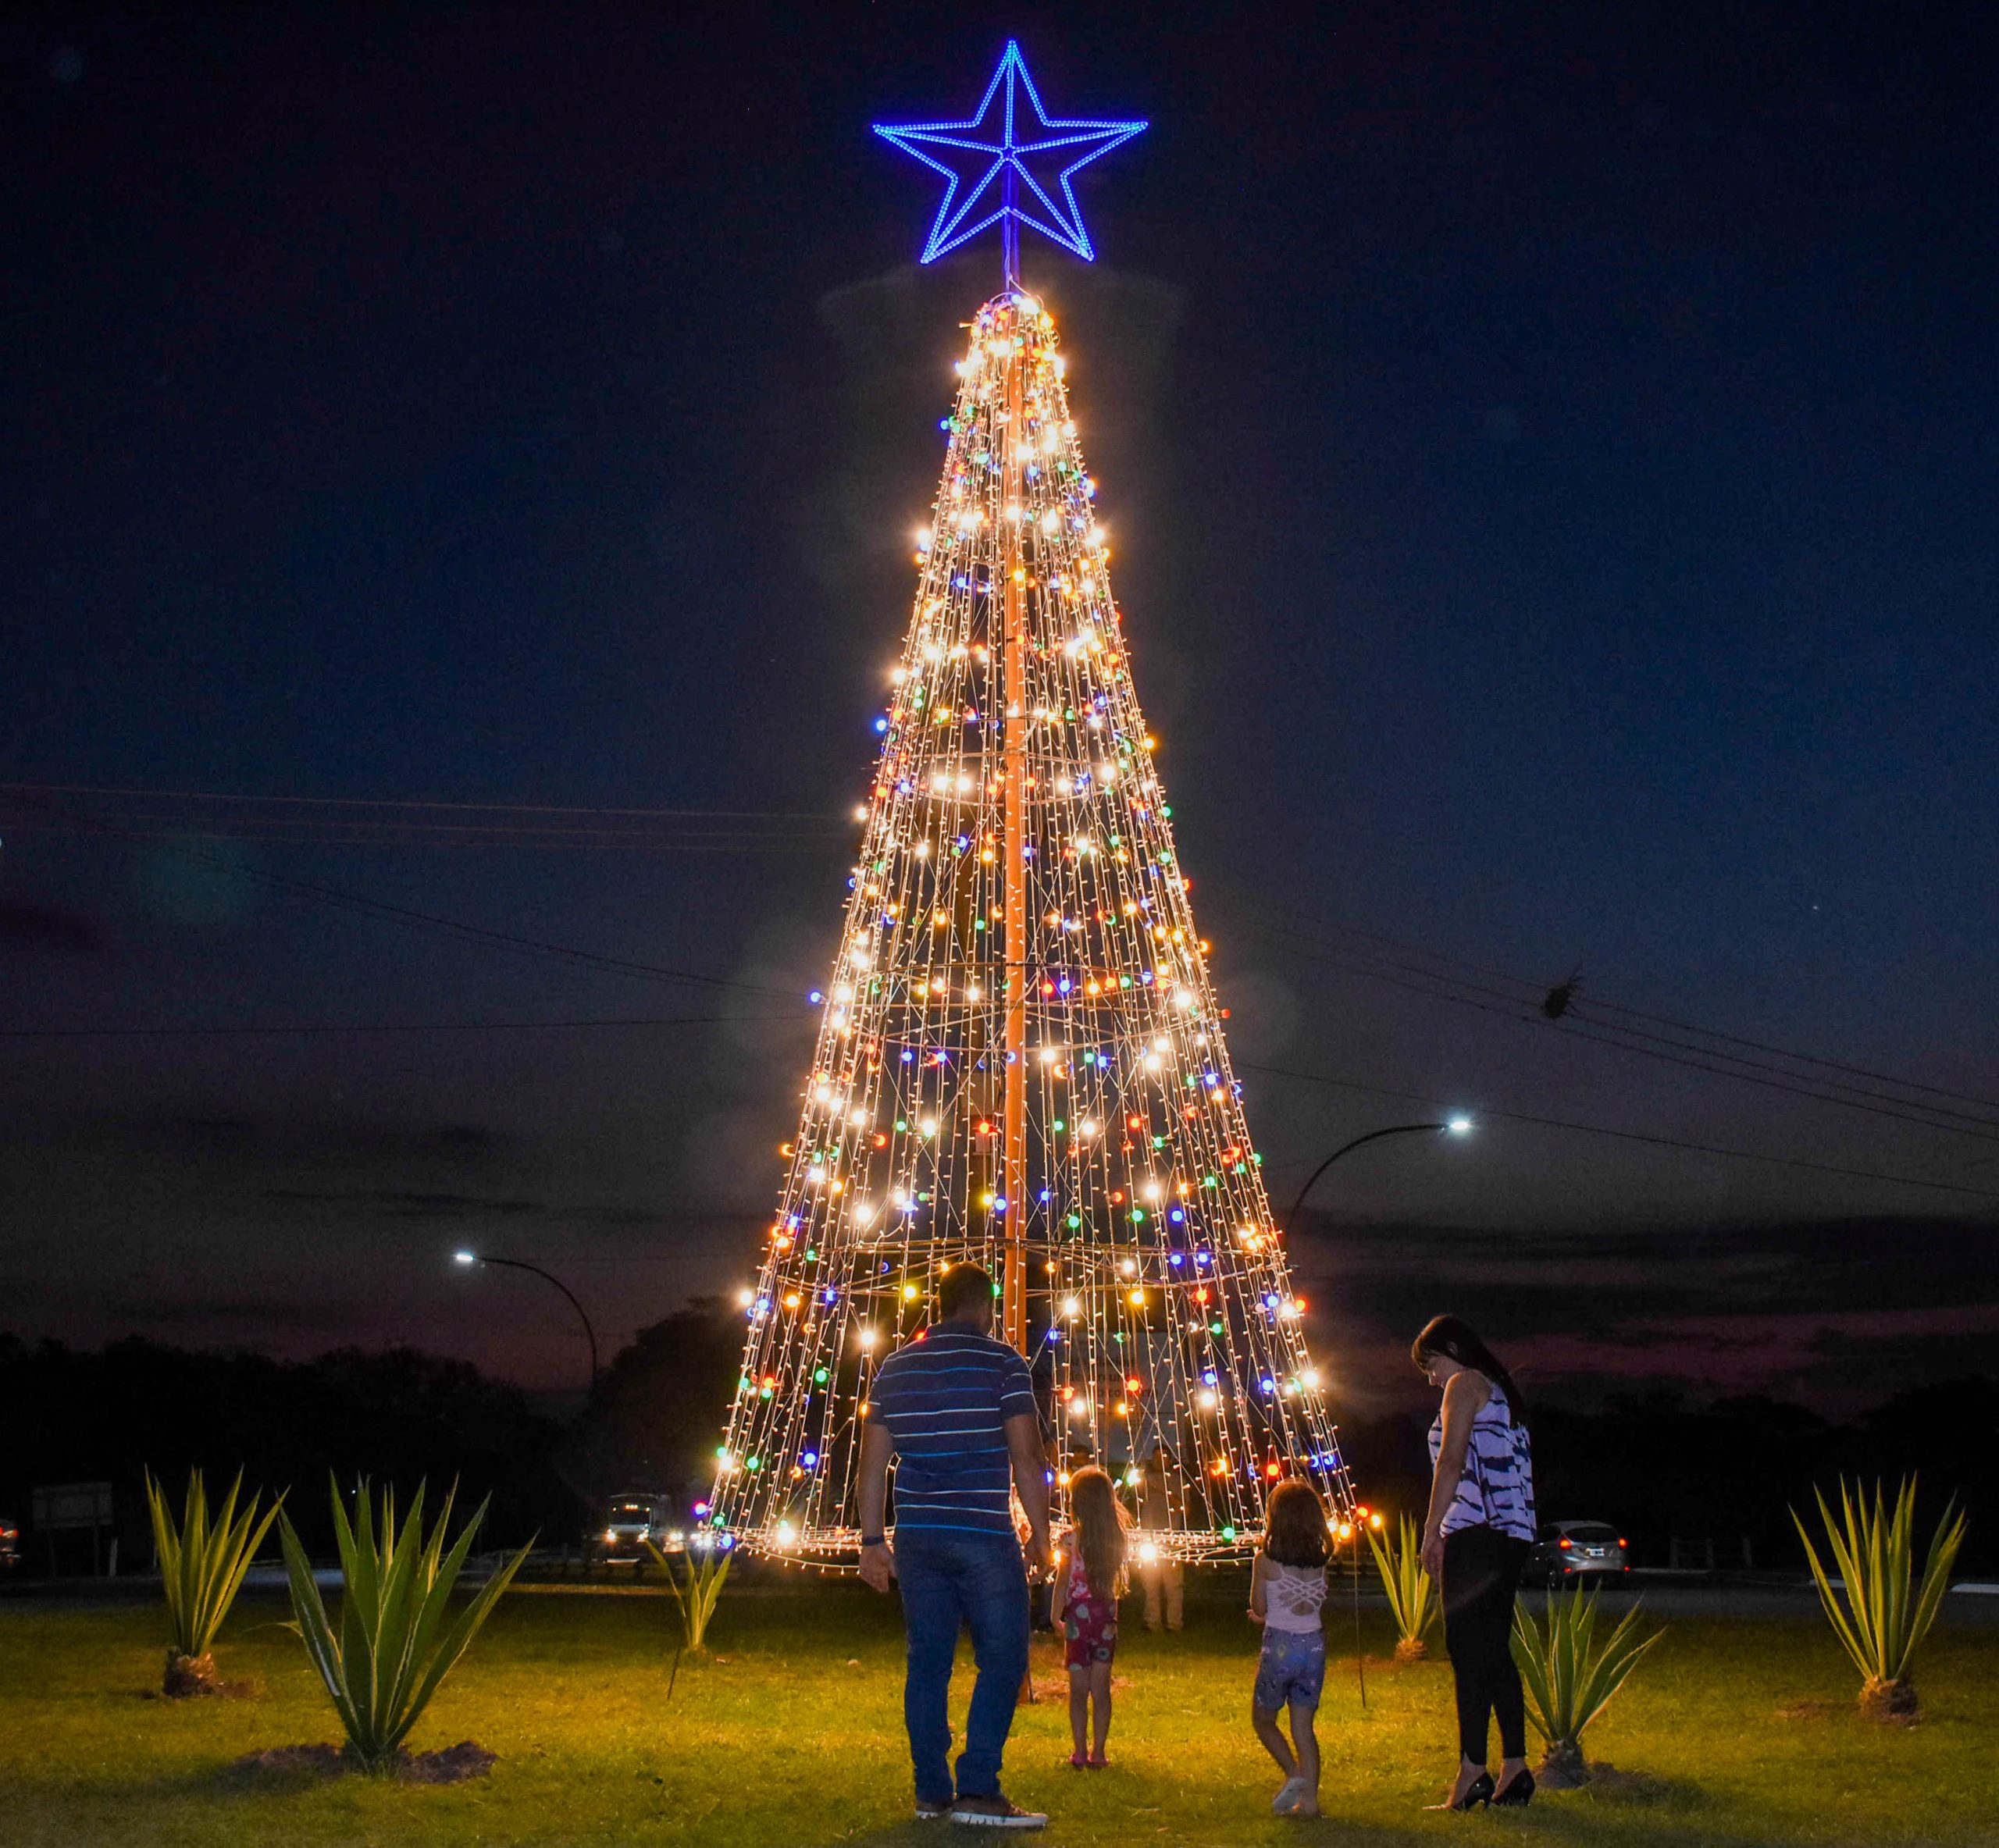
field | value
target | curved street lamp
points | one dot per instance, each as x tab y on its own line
590	1333
1454	1126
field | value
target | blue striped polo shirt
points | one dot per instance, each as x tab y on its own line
946	1400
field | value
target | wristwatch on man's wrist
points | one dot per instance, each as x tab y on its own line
873	1539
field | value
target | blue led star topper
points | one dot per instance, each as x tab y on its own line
988	160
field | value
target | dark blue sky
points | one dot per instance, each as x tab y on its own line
1550	452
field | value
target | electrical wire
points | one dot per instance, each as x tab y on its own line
409	821
408	917
1596	1129
313	1028
411	802
1437	985
1536	990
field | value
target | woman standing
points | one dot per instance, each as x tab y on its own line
1475	1541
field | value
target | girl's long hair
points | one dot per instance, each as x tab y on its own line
1456	1339
1295	1529
1098	1528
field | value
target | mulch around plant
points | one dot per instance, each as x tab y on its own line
1605	1777
454	1764
213	1691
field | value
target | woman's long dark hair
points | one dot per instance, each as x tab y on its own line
1456	1339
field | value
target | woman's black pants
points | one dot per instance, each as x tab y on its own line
1482	1573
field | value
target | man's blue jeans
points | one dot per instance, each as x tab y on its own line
978	1580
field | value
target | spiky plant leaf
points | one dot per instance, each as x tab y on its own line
1569	1679
397	1639
697	1602
204	1560
1878	1611
1411	1593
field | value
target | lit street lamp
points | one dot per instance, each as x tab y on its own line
1349	1531
1454	1126
516	1264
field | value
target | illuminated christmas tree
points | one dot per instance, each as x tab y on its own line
1021	1059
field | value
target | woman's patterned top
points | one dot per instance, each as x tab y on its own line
1496	1490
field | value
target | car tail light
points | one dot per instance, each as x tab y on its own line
1624	1543
1565	1542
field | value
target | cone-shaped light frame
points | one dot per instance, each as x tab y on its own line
1021	1061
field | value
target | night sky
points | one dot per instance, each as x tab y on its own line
1550	455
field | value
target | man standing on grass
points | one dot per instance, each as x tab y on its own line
955	1409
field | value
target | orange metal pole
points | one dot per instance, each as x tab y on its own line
1014	649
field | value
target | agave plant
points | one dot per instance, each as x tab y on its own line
202	1567
697	1599
396	1639
1570	1676
1879	1622
1411	1592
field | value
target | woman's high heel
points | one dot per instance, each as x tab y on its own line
1518	1793
1479	1791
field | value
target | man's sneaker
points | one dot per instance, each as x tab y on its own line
928	1811
995	1812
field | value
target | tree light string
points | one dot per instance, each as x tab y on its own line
1160	1317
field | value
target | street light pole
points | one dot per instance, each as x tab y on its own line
546	1277
1456	1125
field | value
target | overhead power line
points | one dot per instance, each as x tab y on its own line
556	842
1534	989
1438	985
1597	1128
401	821
414	802
408	917
278	1029
1982	1132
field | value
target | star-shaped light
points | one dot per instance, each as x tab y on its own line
992	152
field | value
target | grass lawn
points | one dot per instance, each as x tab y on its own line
792	1735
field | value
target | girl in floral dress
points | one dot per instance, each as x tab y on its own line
1087	1589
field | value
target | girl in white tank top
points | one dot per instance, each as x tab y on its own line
1287	1590
1292	1596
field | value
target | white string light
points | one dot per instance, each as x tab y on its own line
1160	1314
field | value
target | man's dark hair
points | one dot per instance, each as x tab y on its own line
965	1286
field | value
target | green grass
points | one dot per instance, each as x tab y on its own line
792	1736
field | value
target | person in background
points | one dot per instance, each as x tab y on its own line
1164	1579
1475	1538
1087	1585
1287	1595
1041	1586
955	1409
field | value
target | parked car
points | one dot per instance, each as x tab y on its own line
10	1543
1568	1552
